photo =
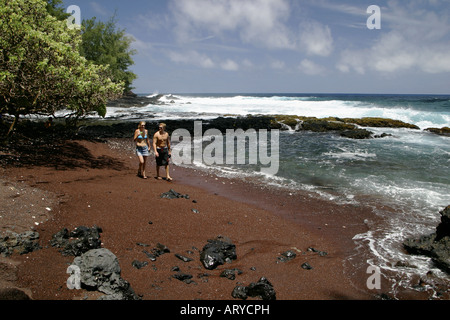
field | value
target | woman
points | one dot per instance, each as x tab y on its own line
142	141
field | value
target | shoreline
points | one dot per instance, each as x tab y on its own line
100	187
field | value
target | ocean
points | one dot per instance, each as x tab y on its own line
407	171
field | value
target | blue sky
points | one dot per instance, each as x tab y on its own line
283	46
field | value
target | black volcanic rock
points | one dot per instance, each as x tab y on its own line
216	252
78	241
262	289
357	134
133	100
435	245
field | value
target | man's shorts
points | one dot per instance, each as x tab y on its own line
163	159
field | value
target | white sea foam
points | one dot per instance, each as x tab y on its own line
351	155
304	106
384	244
242	105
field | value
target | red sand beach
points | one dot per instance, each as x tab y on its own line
95	183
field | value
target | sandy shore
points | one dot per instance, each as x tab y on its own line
92	183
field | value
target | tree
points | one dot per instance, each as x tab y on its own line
41	69
53	7
106	45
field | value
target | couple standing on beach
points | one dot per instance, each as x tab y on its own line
161	147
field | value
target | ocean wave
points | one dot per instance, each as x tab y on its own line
350	155
313	106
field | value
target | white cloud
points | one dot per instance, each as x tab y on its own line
152	21
353	60
195	58
247	63
277	65
340	7
316	39
310	68
192	57
100	9
414	38
260	22
229	65
139	44
220	27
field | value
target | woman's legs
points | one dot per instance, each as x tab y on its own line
142	165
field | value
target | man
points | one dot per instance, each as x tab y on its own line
163	152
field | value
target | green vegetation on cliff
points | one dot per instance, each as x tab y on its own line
334	123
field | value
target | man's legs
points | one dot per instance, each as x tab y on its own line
167	174
157	173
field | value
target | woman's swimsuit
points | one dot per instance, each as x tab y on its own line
140	136
142	151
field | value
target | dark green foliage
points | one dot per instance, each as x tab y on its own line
104	44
